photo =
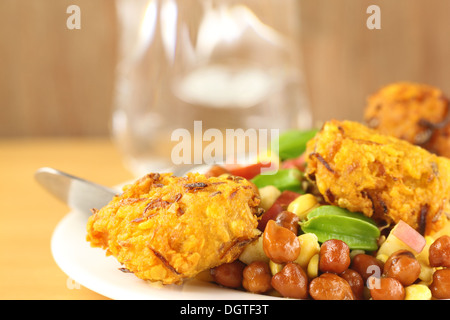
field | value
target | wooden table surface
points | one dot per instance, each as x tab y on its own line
29	214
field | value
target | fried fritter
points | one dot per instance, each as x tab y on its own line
166	228
413	112
385	178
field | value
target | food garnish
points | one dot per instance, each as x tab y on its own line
282	179
331	222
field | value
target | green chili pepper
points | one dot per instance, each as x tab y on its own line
331	222
283	179
292	143
337	211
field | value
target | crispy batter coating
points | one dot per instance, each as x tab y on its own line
413	112
167	228
385	178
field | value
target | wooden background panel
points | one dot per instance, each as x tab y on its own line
55	81
345	61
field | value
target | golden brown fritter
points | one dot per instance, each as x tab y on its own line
167	228
385	178
412	112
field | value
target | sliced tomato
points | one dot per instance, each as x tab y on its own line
248	171
299	163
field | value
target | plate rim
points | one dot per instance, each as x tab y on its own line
65	254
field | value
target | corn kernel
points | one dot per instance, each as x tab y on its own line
355	252
275	267
426	273
391	245
268	157
303	205
382	257
254	252
313	267
309	244
422	257
417	292
268	195
429	240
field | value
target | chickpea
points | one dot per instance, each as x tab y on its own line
334	256
386	289
366	266
291	282
355	281
403	266
257	277
440	287
229	274
280	244
288	220
329	286
439	252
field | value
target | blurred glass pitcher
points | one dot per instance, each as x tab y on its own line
228	64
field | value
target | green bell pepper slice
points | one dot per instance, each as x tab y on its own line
292	143
337	211
331	222
282	179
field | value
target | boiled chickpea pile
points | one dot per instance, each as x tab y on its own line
297	266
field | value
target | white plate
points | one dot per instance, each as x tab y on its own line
92	269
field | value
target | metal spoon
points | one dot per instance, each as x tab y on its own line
83	195
79	194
